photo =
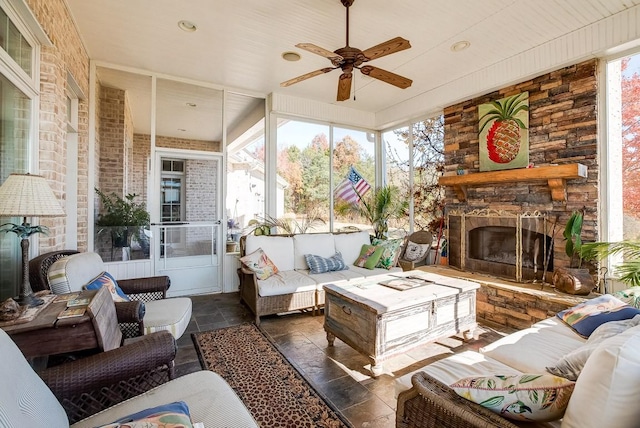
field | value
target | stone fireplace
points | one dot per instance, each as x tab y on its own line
507	244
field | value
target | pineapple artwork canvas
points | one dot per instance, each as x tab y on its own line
504	133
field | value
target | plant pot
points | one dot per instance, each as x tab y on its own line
573	281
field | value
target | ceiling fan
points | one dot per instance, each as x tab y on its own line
348	58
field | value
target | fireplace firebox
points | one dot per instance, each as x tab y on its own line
514	246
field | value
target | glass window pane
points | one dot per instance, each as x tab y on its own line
398	168
631	147
303	173
12	41
15	110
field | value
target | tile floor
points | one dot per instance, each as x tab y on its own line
338	372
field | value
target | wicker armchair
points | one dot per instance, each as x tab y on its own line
432	404
140	290
422	237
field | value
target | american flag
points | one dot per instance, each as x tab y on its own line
351	186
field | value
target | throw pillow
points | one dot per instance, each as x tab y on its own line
318	264
258	263
521	397
390	252
586	317
106	280
570	365
173	415
416	252
630	296
369	256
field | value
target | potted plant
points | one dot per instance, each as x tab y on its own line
575	279
120	216
378	207
628	270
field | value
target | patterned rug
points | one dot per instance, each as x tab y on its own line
271	388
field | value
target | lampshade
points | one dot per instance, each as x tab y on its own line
27	195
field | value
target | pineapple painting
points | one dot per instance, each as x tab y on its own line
504	135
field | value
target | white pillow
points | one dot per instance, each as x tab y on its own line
415	252
319	244
571	364
278	248
606	393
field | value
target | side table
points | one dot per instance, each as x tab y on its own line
47	335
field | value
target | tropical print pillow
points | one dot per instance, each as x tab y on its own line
522	397
390	253
369	256
258	263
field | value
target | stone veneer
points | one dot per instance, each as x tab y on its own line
562	130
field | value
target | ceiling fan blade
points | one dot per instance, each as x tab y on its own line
390	46
344	86
306	76
334	57
386	76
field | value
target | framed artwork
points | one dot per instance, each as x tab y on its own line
504	133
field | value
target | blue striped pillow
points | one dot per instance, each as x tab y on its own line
319	264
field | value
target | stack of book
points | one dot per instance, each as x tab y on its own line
76	306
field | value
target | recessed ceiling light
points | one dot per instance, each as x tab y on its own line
291	56
191	104
460	46
187	26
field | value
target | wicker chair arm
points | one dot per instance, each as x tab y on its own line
432	404
130	312
89	385
153	285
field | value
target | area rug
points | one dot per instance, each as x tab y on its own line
272	389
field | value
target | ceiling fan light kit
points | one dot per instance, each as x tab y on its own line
347	58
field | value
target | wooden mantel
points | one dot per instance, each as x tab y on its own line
554	175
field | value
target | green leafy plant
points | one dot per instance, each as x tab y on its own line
629	270
263	225
118	214
573	235
378	207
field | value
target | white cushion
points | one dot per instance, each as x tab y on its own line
285	282
25	400
333	277
319	244
450	369
606	393
278	248
210	399
71	273
350	244
534	349
367	273
172	315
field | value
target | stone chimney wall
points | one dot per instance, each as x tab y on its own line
562	130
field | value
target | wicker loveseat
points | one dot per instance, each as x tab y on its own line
604	394
294	287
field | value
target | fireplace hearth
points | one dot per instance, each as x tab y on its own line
510	245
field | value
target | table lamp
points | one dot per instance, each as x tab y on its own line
27	195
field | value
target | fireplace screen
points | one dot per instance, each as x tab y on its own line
508	245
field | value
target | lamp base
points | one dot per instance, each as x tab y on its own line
29	301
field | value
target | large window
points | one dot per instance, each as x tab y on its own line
16	109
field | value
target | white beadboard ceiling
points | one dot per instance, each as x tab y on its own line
239	43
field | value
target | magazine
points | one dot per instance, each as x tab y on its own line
406	283
72	312
78	302
67	297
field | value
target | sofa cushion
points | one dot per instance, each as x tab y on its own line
173	315
587	316
390	253
71	273
606	393
458	366
318	264
286	282
278	248
349	244
543	345
259	263
333	277
369	256
369	273
521	397
321	244
172	415
210	399
570	365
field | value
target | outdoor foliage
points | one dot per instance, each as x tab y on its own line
631	141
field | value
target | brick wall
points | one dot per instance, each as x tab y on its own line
182	143
112	140
67	55
562	129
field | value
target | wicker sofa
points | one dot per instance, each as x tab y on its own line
604	393
294	287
